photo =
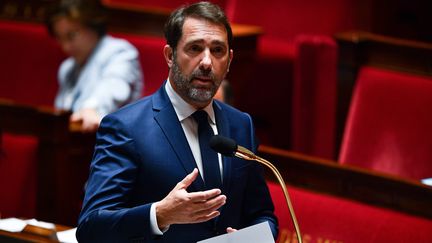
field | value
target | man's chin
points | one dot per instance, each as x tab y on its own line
201	95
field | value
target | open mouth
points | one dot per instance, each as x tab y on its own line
203	81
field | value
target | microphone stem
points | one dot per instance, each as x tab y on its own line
282	184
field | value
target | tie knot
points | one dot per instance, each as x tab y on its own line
200	116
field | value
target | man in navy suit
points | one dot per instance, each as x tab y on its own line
147	180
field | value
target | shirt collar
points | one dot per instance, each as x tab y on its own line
184	109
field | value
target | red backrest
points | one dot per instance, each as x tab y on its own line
389	127
325	218
314	96
29	62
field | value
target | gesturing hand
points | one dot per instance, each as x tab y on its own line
182	207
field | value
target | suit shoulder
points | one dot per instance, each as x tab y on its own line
132	111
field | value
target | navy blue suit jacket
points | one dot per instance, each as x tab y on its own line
141	153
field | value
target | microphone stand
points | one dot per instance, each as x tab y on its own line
244	153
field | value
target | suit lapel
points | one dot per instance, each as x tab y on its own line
223	129
167	119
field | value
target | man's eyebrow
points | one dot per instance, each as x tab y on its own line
200	41
219	42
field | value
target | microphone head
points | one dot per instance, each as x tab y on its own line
223	145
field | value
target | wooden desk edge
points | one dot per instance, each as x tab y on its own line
362	36
33	237
371	187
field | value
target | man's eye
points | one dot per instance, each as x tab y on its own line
195	48
218	51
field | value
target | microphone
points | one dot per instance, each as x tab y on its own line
228	147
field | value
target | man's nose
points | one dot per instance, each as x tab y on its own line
206	61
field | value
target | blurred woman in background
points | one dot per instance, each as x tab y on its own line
102	73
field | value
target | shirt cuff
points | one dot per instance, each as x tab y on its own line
153	222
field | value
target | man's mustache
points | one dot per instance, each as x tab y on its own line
202	73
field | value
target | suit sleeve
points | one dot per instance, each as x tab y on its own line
106	215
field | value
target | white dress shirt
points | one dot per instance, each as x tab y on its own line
184	113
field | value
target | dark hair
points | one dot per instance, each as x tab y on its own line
89	13
202	10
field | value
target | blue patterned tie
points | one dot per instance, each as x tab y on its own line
210	162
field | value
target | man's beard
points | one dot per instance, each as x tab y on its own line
188	90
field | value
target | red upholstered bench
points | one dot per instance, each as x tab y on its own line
323	218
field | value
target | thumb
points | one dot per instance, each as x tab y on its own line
185	183
230	230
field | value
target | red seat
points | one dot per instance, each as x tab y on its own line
324	218
388	128
18	176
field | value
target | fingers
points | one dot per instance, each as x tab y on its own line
206	207
187	181
204	195
206	210
230	230
207	217
180	206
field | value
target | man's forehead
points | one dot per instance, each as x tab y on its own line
198	28
200	40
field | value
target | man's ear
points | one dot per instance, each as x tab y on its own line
168	54
230	59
